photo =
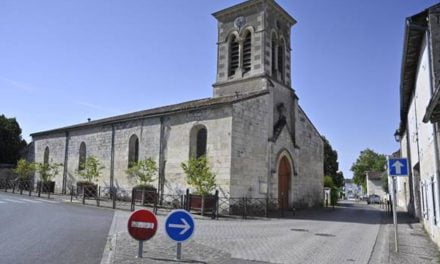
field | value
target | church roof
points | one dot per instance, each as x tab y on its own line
161	111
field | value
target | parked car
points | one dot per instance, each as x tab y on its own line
373	199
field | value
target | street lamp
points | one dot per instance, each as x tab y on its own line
397	135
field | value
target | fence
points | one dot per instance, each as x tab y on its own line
119	198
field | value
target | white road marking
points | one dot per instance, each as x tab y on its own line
2	202
11	200
46	201
30	201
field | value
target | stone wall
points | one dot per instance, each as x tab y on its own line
98	141
250	146
310	164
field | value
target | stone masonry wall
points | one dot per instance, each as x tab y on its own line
56	144
310	165
250	146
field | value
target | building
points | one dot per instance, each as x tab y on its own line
258	140
375	184
419	116
352	190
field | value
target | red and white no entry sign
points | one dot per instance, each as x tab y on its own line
142	225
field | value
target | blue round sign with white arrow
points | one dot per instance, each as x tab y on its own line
179	225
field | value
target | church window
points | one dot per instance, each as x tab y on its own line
133	150
274	56
82	156
281	60
201	142
247	52
233	55
198	139
46	156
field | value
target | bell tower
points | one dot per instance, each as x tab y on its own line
253	47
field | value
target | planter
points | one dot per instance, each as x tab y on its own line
88	189
48	186
145	194
196	202
24	185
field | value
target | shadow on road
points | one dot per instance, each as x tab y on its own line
345	211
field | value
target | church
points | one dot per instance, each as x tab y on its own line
257	139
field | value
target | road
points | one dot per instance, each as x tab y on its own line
34	230
345	235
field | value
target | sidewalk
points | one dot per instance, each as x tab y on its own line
414	243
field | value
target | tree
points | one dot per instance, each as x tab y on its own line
199	175
24	169
331	165
328	182
368	160
92	169
48	171
11	143
143	171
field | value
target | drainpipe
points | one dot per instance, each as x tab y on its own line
66	155
112	159
161	179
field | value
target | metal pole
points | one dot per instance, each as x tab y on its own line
179	251
395	215
141	248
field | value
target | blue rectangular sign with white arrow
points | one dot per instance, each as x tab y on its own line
398	167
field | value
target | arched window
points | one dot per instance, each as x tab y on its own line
247	52
233	55
82	156
46	156
281	59
198	139
201	142
274	55
133	150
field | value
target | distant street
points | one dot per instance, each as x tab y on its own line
38	231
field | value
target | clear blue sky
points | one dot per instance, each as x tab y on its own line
64	61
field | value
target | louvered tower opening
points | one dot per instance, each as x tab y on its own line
281	60
247	52
273	56
233	55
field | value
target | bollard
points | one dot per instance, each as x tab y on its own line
114	197
98	196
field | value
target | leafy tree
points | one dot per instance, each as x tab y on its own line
48	171
199	175
331	165
92	169
368	160
25	169
11	143
328	182
143	170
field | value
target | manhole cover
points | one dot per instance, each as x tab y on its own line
299	230
324	235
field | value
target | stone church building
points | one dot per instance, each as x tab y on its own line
256	137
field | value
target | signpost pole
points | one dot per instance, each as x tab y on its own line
179	251
141	248
395	214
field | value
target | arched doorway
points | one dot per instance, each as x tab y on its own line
284	172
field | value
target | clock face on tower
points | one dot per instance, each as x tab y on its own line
239	22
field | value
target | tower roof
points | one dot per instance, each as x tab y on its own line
250	3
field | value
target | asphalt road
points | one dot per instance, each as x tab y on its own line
37	231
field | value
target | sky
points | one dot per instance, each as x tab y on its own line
62	62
